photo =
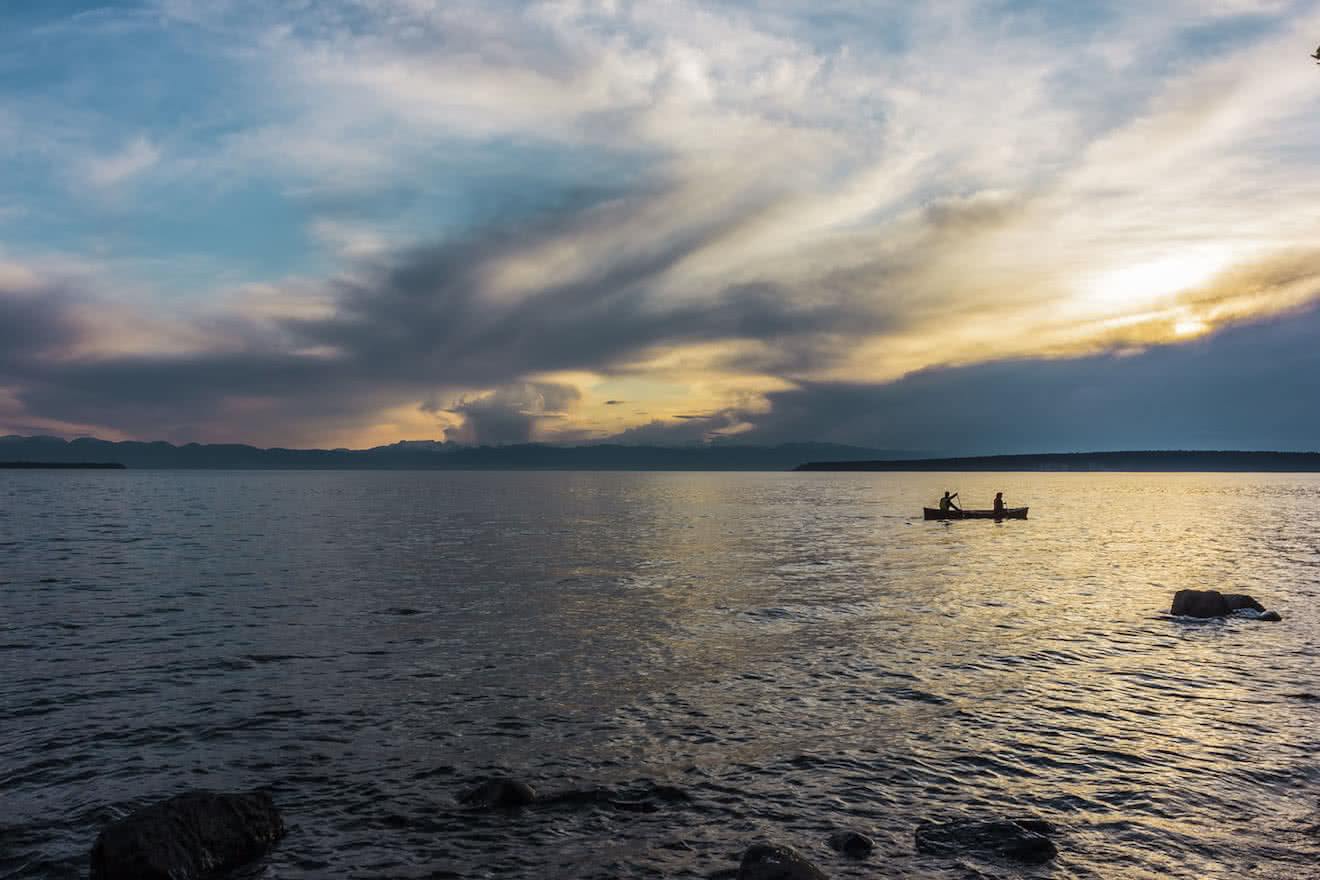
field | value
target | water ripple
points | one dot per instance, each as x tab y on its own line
793	653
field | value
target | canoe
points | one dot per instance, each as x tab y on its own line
1009	513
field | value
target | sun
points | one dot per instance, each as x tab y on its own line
1189	327
1142	284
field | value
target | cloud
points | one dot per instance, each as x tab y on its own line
685	431
463	309
457	316
34	322
510	414
134	159
1245	388
751	208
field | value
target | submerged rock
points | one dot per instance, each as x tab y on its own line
501	792
648	797
1023	840
770	861
852	844
1211	603
192	836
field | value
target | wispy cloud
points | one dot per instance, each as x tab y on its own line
135	158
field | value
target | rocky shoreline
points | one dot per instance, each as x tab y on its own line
202	835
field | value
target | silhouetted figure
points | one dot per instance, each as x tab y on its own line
946	503
999	504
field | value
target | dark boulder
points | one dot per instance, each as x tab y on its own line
1239	601
1212	603
852	844
501	792
769	861
1023	840
1199	603
196	835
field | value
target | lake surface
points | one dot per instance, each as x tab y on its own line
795	654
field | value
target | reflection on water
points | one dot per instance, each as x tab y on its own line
799	653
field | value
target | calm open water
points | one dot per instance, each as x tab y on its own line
797	653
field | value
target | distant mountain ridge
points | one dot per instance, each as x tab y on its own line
430	455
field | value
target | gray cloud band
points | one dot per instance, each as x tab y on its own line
429	318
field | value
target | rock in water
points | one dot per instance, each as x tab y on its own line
191	836
1238	601
502	792
853	844
1199	603
769	861
1212	603
1021	839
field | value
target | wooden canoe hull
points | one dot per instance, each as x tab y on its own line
1009	513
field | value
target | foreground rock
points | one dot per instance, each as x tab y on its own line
1022	840
769	861
1212	603
196	835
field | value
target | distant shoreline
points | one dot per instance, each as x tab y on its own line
75	465
1169	461
429	455
89	453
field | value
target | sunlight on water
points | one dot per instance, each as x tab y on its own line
797	653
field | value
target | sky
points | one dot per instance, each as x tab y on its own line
959	227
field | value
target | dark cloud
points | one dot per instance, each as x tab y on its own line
129	391
512	413
431	319
34	324
1249	387
433	312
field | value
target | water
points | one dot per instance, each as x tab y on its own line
796	653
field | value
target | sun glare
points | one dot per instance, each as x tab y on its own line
1189	327
1145	283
